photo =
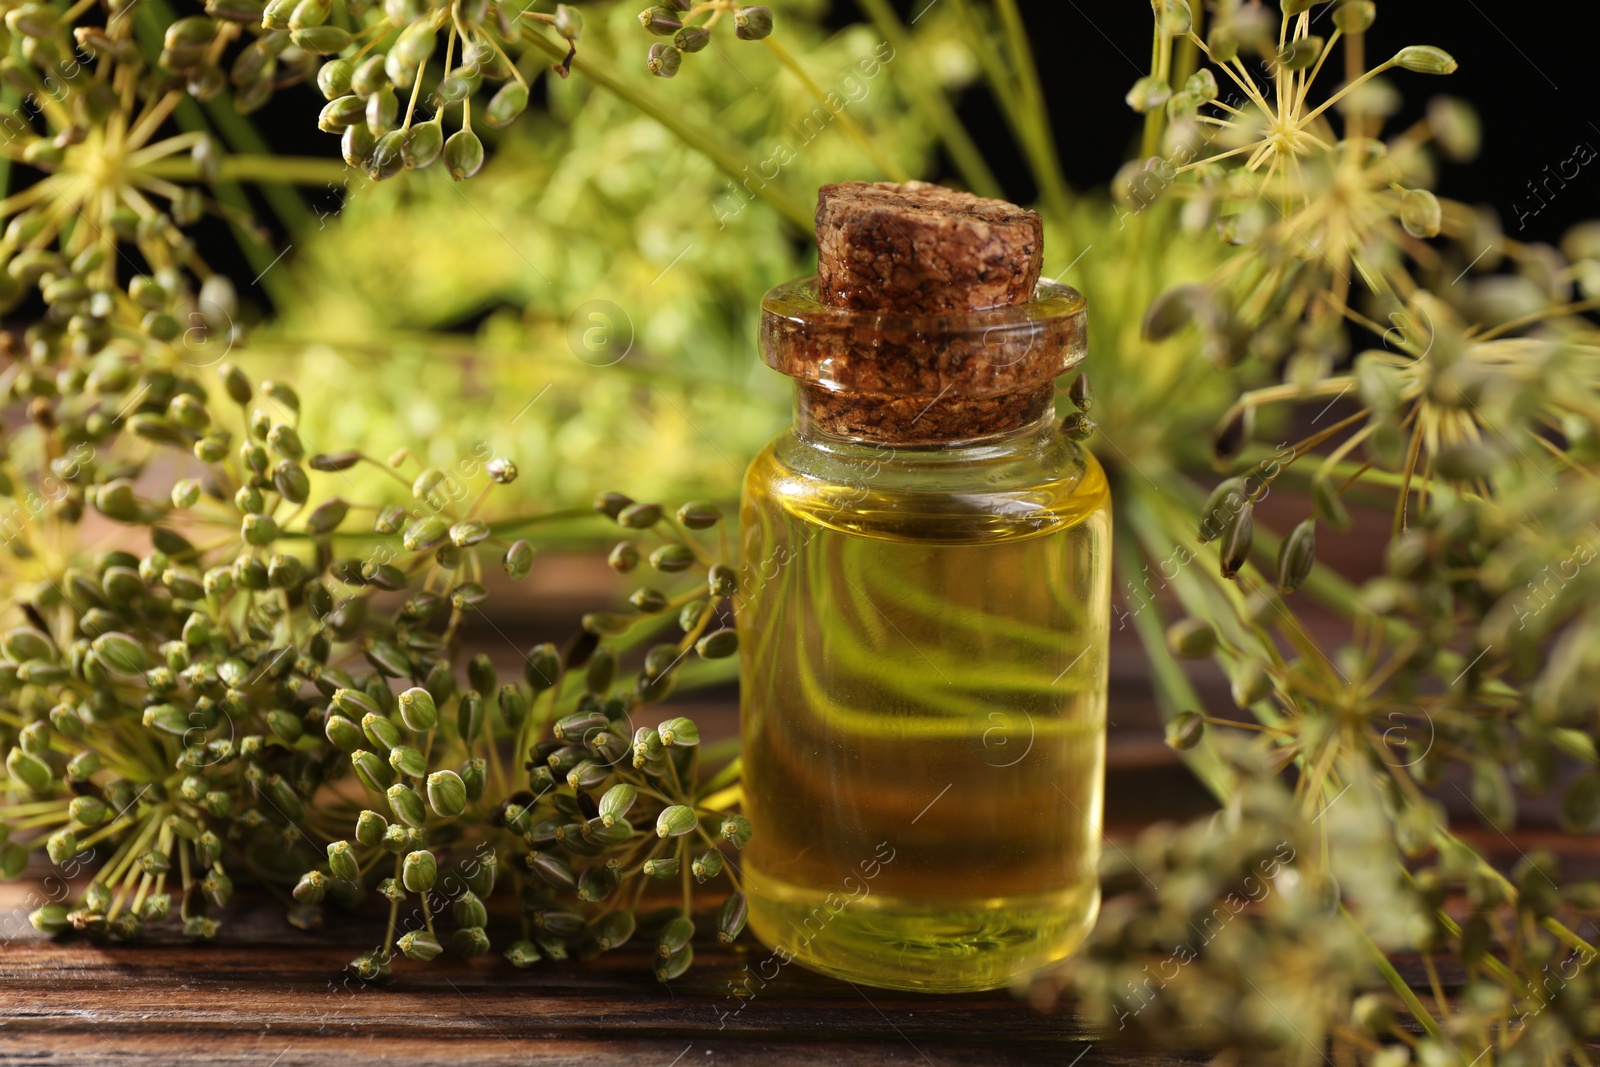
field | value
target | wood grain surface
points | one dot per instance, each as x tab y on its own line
264	993
268	995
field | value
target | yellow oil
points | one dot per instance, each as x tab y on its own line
923	702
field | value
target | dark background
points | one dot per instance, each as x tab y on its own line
1530	69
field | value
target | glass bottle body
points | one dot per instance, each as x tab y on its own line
923	633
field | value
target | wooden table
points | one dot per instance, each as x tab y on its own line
268	995
264	993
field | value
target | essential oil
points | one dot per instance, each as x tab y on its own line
924	707
924	606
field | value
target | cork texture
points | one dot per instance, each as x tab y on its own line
920	357
917	248
914	420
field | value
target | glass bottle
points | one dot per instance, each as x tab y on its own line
923	615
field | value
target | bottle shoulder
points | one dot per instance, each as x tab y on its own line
1041	485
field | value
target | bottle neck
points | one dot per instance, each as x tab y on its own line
914	380
917	421
1022	425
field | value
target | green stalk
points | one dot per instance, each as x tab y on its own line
521	522
10	97
1402	990
150	21
1041	145
237	132
242	138
1017	113
1489	962
1323	584
378	345
929	98
728	775
291	170
994	70
1174	691
1150	139
888	166
712	148
1550	924
1188	58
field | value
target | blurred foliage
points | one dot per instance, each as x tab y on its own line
590	209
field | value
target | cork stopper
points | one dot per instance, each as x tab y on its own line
926	321
916	248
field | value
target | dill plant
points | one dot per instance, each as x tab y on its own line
233	693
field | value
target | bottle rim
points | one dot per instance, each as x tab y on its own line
985	352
